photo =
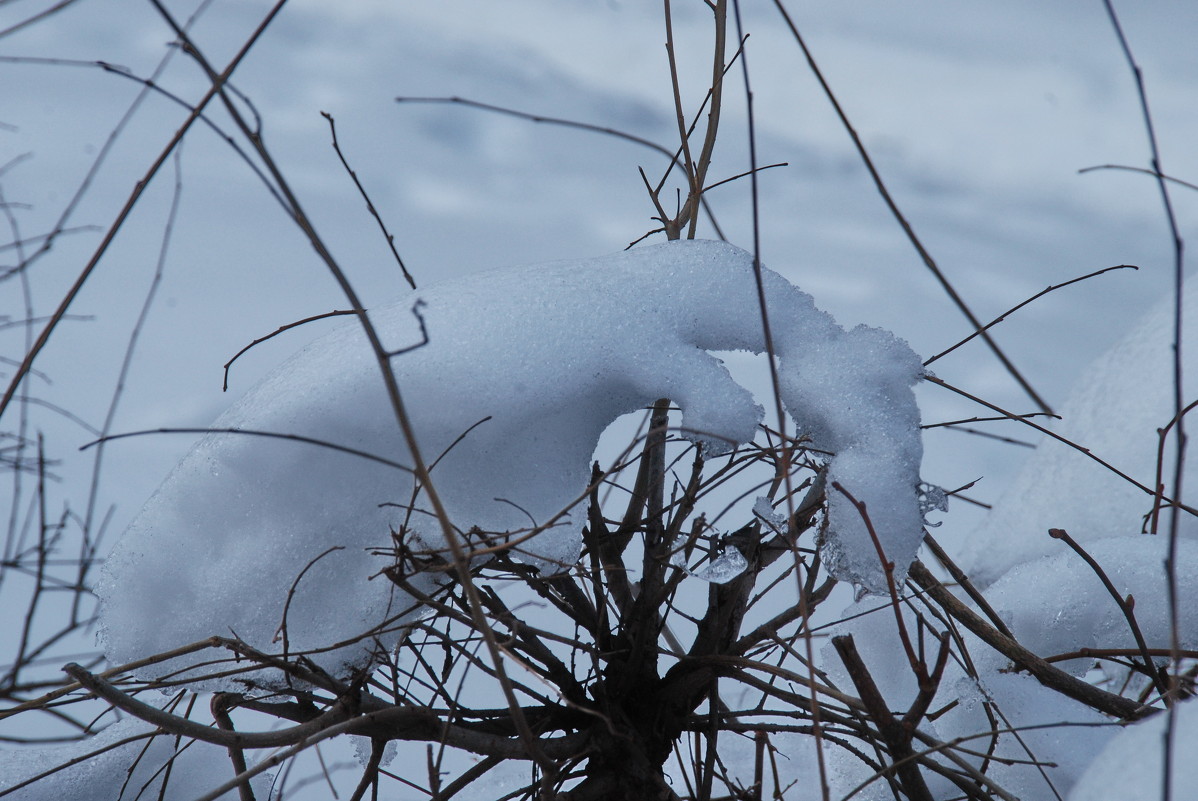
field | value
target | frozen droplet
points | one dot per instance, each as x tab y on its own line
765	510
931	499
725	567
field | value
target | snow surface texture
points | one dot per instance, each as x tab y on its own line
1132	764
1114	410
1056	604
138	767
1042	716
548	356
1052	600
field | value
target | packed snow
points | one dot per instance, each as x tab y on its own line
132	760
1053	601
1114	410
1051	727
524	368
1056	604
1132	764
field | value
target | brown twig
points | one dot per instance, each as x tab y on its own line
964	583
1000	318
928	261
673	226
221	704
1049	433
896	736
1162	438
745	174
1042	671
335	313
1125	606
255	433
719	9
1114	653
369	205
917	664
282	630
370	773
1153	173
1178	246
184	727
540	118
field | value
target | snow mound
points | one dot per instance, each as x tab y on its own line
129	754
527	367
1132	764
1114	410
1056	604
1045	721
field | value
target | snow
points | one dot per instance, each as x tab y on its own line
764	510
1114	410
1056	604
720	570
527	366
139	766
994	192
1049	725
1052	600
1132	764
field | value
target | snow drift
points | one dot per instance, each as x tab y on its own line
128	759
1114	410
527	367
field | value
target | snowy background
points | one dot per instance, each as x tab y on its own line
978	115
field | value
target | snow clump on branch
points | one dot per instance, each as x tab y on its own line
527	366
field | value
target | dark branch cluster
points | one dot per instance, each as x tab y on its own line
627	672
687	624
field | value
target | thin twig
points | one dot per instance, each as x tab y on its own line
220	705
1162	439
776	386
1178	245
282	631
369	205
174	724
1046	674
524	115
688	164
896	737
1153	173
254	433
928	261
1047	432
964	583
1125	606
674	157
745	174
917	664
217	84
335	313
370	774
1000	318
720	12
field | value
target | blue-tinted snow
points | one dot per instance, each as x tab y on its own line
527	366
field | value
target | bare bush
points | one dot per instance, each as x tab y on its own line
699	649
